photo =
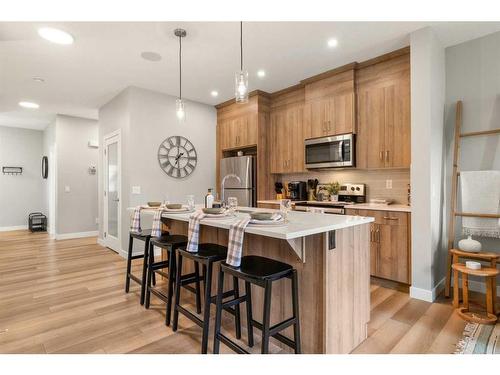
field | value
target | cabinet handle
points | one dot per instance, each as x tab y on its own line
378	235
381	155
371	236
390	218
387	155
329	126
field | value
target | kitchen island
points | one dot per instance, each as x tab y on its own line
332	256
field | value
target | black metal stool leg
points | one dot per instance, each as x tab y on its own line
295	303
171	278
266	317
218	311
150	273
177	291
248	292
198	289
129	263
237	314
144	270
206	308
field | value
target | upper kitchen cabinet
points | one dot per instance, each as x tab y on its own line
238	131
286	141
330	103
383	100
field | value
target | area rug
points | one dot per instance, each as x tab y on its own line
480	339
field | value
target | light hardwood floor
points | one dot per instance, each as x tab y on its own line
68	297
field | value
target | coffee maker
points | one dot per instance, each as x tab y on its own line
297	190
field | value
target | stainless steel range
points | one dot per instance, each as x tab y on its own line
348	194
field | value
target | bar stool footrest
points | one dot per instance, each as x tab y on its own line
278	336
191	316
135	278
231	344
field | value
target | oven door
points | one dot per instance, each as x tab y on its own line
329	152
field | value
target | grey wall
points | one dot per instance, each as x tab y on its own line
49	184
146	118
427	106
473	76
77	209
20	195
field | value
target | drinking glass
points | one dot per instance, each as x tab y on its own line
285	207
190	202
232	203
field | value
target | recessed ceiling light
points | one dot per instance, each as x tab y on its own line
38	79
214	93
55	35
261	73
29	105
151	56
333	43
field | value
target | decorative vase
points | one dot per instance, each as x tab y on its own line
334	197
469	245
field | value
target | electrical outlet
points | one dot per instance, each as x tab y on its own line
388	184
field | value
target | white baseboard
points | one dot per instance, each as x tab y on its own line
67	236
17	227
422	294
100	241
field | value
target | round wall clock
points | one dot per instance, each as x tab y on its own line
177	156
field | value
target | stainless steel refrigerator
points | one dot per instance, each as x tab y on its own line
243	189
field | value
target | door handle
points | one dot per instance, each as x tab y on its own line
116	200
386	155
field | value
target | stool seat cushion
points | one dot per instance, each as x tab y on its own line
141	235
260	268
209	251
167	240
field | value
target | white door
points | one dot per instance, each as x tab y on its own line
112	192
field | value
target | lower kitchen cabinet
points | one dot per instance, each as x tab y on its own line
389	244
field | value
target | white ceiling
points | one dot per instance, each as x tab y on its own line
105	59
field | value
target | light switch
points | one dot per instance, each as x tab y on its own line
136	190
67	189
388	184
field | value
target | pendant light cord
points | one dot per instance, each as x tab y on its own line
241	45
180	67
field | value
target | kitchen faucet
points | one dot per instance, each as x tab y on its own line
224	181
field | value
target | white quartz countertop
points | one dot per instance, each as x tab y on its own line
300	224
381	207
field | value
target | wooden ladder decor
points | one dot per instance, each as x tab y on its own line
454	254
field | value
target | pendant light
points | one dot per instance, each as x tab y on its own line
179	103
241	77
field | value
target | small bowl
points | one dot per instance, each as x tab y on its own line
154	204
261	215
213	211
174	206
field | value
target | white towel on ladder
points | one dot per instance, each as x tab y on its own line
480	194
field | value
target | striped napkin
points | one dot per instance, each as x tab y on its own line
135	225
156	228
194	231
235	247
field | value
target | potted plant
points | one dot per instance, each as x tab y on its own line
333	188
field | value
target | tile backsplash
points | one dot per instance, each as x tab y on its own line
375	181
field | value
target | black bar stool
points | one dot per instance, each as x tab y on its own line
170	243
207	255
145	236
262	272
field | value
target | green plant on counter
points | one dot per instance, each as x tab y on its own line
333	188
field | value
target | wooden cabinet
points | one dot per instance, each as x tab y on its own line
237	132
389	244
330	116
383	102
286	146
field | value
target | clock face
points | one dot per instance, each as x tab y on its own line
177	156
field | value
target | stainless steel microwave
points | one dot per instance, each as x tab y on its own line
330	152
